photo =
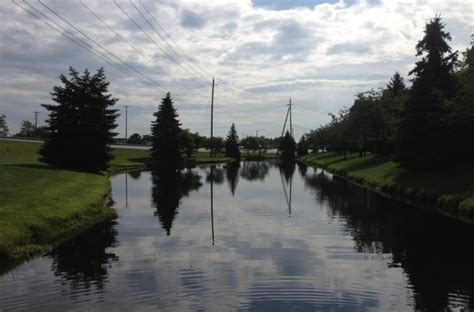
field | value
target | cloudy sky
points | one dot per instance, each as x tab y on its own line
261	53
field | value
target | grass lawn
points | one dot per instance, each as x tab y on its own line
40	205
449	190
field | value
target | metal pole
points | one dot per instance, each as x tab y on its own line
291	123
212	116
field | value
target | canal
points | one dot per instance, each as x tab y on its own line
254	237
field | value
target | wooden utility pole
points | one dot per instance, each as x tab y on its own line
126	122
291	123
36	120
212	116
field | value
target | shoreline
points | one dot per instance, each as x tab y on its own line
457	205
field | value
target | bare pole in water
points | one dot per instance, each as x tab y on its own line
212	204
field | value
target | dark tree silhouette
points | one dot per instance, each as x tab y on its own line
232	175
287	148
302	146
3	126
231	144
165	131
168	188
80	126
396	86
422	129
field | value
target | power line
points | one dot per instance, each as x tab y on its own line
102	47
146	34
76	40
162	38
134	48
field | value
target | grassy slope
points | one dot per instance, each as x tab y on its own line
40	205
451	191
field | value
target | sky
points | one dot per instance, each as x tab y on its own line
261	53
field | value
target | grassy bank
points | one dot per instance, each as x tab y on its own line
40	205
447	191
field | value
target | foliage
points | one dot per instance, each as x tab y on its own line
135	139
190	142
3	126
423	128
231	144
166	133
427	126
287	148
302	146
28	130
80	126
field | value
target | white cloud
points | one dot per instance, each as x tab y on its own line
322	54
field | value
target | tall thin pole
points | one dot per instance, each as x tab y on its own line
291	123
212	205
36	120
126	122
212	116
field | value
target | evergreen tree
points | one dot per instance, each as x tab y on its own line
3	126
80	126
423	131
287	148
396	86
302	147
231	144
166	131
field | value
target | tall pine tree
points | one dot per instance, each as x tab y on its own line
80	126
231	144
423	130
165	131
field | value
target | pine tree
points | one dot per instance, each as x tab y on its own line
396	86
287	148
3	126
165	131
80	126
422	129
231	144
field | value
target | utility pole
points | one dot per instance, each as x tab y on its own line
291	123
258	131
212	116
36	120
126	122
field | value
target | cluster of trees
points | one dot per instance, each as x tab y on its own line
3	126
427	125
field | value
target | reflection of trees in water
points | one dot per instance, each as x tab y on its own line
302	168
436	253
216	175
84	260
287	169
254	170
167	191
135	175
232	175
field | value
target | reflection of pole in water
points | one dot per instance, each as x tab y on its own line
212	204
287	198
126	189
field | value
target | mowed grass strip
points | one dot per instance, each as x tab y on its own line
40	205
451	190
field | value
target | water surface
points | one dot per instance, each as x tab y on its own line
252	237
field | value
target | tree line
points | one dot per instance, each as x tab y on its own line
427	125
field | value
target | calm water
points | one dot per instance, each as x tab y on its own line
253	237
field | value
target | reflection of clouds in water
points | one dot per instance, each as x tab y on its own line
262	259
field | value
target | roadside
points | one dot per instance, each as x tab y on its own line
449	191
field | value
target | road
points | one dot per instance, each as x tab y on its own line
140	147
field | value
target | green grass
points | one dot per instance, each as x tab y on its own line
41	205
449	191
